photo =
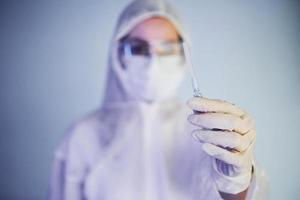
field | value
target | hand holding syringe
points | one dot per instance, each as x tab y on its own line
220	125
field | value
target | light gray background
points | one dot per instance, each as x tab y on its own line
52	70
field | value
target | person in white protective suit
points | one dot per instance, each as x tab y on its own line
142	143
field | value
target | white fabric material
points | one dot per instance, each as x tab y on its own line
154	81
132	150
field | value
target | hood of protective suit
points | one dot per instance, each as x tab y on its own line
132	15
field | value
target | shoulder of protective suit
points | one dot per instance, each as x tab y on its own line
88	134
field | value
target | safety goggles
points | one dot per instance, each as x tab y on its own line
131	49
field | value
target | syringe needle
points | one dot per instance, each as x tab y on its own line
188	57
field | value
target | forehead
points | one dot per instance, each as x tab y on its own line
155	29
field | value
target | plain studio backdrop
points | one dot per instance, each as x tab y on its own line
53	64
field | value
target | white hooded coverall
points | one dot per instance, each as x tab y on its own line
131	150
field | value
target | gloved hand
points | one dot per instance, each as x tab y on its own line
227	133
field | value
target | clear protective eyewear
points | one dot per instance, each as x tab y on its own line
132	49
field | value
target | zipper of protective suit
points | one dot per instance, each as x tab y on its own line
156	178
147	113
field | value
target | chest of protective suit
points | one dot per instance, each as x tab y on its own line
141	160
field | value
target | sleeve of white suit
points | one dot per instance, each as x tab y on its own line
57	178
68	170
259	186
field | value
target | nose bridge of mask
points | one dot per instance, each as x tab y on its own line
154	63
169	63
164	67
160	66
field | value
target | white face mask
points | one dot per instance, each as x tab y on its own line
157	80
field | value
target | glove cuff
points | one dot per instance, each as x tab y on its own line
232	184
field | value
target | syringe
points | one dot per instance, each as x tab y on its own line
189	64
